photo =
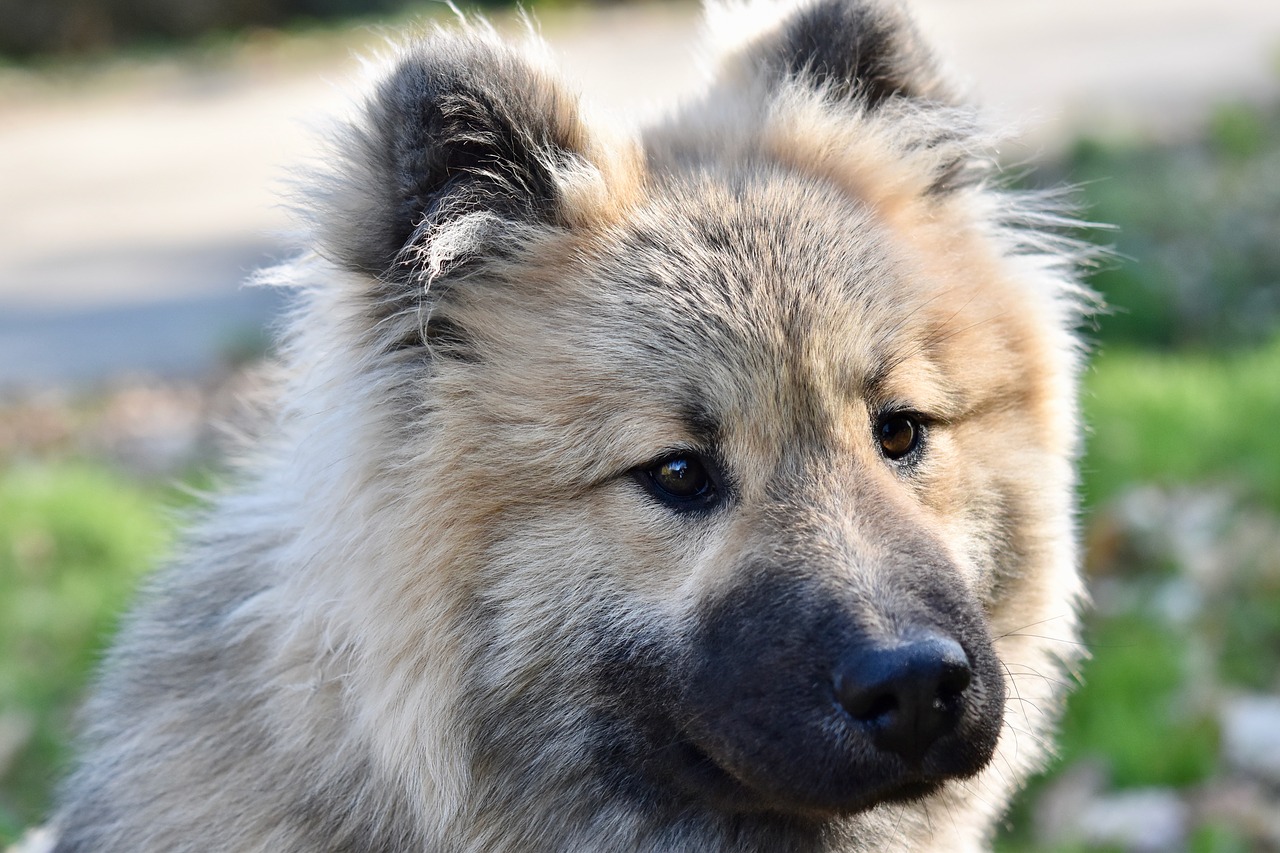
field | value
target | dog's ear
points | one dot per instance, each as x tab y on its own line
867	51
464	128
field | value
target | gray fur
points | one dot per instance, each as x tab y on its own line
437	611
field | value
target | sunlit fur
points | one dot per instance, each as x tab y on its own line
426	613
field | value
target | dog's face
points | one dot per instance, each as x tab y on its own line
758	457
761	433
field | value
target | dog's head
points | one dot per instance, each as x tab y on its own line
740	451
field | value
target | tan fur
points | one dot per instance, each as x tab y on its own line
443	608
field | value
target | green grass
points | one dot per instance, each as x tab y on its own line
1134	712
1184	418
74	539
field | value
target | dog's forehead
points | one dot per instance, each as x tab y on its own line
766	282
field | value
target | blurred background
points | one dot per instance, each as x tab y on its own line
146	147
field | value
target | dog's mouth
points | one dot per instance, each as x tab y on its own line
783	706
694	772
789	703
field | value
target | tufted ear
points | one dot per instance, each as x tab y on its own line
463	129
867	51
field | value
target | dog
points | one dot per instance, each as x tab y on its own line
707	487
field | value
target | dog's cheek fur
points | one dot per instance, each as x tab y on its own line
438	614
533	683
999	330
551	439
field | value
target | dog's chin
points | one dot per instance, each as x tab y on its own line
694	773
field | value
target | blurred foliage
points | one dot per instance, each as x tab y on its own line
1165	644
58	30
70	27
74	538
1155	420
1185	418
1132	709
1181	397
1198	224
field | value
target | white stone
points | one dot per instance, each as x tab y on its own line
1149	819
40	840
1251	735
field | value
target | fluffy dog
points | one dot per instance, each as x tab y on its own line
704	489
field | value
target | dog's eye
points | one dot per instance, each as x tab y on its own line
898	435
681	481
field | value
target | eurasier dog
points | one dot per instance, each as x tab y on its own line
707	488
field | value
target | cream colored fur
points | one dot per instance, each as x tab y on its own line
398	628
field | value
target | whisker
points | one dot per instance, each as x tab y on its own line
1040	741
1053	639
1017	692
1016	631
1034	673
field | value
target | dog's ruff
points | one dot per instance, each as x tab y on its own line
708	488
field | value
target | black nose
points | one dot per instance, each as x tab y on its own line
907	695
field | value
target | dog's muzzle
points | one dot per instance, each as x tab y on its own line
800	698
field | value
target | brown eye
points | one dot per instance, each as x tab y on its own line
681	481
682	477
898	435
